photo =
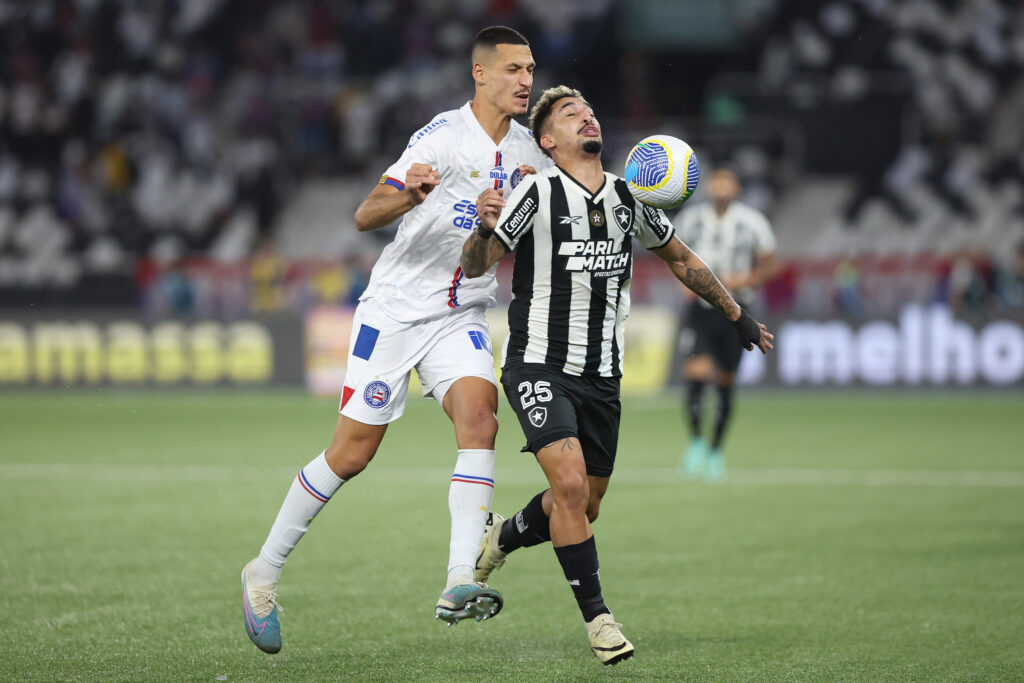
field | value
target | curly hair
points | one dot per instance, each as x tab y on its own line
542	109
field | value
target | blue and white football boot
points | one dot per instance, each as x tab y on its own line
261	622
468	601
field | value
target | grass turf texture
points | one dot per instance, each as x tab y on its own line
126	518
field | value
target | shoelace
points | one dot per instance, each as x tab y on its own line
264	600
609	625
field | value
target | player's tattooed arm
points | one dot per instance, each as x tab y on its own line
691	270
481	250
479	254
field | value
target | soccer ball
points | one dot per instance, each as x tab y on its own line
662	171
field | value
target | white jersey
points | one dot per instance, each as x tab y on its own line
730	243
418	275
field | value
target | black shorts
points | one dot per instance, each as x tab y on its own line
552	405
709	333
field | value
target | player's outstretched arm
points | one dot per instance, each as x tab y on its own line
385	204
481	250
691	270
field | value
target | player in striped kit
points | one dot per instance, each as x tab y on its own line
737	241
572	228
420	312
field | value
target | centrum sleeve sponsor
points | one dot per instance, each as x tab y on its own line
514	221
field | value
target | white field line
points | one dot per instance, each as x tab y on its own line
383	474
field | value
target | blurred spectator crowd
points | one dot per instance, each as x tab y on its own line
136	130
949	164
149	148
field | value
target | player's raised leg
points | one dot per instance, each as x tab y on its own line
353	446
471	403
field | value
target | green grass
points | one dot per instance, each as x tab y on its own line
858	538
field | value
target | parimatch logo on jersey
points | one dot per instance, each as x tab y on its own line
594	256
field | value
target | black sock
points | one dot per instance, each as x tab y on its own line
579	562
694	390
722	417
527	527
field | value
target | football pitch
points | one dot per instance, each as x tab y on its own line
859	536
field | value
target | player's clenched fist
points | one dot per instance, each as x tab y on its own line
420	180
488	207
526	169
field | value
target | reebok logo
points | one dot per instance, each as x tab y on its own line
569	220
520	524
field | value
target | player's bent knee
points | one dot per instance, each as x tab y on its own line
571	489
477	430
483	424
352	449
347	462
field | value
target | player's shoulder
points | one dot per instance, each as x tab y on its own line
524	147
541	174
547	172
751	215
617	181
438	131
696	211
746	210
521	133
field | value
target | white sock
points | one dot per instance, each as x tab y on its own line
469	499
312	488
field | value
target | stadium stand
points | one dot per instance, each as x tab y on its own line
193	156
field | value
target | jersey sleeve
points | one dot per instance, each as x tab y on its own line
688	224
654	229
429	145
516	219
764	238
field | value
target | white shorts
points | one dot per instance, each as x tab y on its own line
383	351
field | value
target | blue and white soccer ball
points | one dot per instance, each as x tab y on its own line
662	171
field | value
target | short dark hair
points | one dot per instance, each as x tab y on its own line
541	111
492	36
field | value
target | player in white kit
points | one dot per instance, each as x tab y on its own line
420	312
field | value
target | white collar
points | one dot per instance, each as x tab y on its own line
471	119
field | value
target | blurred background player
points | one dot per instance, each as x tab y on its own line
572	227
737	243
418	312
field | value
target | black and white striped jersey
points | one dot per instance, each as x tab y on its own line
570	283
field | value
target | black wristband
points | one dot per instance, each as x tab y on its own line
747	329
484	233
